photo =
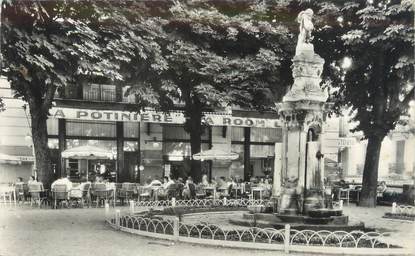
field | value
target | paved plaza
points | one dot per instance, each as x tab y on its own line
27	231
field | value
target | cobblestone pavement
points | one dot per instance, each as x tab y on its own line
27	231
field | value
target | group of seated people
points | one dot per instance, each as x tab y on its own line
221	187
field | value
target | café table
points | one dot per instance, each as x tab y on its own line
8	194
212	190
260	190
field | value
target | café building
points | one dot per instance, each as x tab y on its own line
146	144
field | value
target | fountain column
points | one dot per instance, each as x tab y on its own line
301	111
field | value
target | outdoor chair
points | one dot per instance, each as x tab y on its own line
192	192
173	191
344	194
102	194
6	195
200	192
37	194
126	192
143	193
60	194
20	192
247	191
81	195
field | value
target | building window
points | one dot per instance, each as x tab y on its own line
266	134
177	132
53	143
99	92
126	97
237	133
109	145
130	146
131	129
94	129
52	126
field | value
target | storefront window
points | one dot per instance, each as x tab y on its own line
130	146
262	151
53	143
52	126
266	134
99	92
110	145
237	133
131	129
126	96
85	128
177	132
179	150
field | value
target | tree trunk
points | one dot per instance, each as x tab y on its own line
193	126
370	173
40	142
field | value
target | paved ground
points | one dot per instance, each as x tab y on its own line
25	231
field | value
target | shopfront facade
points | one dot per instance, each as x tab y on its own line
150	144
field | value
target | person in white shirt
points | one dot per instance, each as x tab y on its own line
63	181
167	182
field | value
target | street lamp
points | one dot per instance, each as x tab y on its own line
29	140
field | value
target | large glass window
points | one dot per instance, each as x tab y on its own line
266	134
262	151
130	146
99	92
53	143
237	133
110	145
126	97
52	126
131	129
177	132
85	128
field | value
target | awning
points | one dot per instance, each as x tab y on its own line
8	159
88	152
215	154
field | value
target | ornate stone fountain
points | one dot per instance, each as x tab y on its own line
300	199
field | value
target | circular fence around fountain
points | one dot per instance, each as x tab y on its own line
287	239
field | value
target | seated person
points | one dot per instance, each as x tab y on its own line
180	186
381	189
31	180
205	181
154	183
63	181
19	181
167	182
189	190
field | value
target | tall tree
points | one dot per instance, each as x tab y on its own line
48	45
211	60
378	37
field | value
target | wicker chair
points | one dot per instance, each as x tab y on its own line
20	192
143	193
102	194
37	194
126	192
200	192
60	194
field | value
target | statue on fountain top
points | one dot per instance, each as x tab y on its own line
306	27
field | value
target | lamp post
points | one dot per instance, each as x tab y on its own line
29	140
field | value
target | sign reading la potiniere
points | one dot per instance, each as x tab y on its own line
212	119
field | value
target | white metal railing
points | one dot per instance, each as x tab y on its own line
202	203
286	239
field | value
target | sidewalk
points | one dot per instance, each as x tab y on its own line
32	231
402	232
